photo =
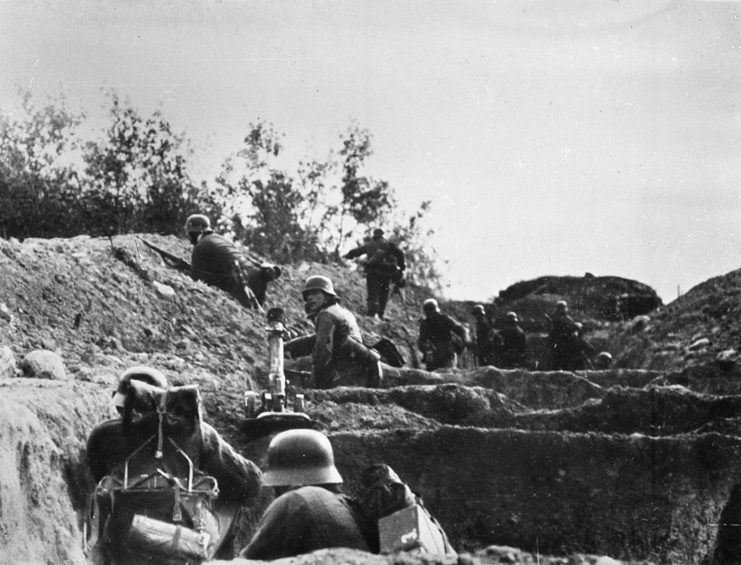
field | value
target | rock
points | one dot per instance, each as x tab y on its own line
605	560
7	363
164	290
44	364
5	312
726	359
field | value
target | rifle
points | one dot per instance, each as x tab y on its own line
169	258
254	303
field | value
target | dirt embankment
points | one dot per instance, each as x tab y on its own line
621	463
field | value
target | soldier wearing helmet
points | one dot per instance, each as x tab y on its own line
119	441
438	334
384	264
564	339
511	344
603	361
196	225
484	343
149	375
216	261
338	354
310	511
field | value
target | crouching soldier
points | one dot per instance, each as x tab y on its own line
216	261
310	511
339	356
168	486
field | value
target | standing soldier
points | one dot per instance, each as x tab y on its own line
563	339
512	343
437	332
484	337
384	264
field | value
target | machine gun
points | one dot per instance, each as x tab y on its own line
273	410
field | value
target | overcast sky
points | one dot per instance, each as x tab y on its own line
553	138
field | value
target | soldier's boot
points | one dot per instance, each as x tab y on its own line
366	357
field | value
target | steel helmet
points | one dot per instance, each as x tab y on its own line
300	457
149	375
604	359
197	223
479	308
430	305
377	233
318	282
512	316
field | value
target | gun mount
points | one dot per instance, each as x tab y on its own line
275	409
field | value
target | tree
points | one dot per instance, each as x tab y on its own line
136	177
38	181
364	200
264	208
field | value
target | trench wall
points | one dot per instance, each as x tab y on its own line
630	497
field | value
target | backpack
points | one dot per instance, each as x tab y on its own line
145	509
389	352
403	523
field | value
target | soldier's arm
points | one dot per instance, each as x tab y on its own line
357	252
239	478
423	337
323	347
399	254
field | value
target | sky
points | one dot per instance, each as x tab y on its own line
553	138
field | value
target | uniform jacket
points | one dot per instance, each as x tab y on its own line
375	249
438	329
305	520
333	325
212	261
563	329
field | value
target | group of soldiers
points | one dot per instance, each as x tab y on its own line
158	446
169	487
338	352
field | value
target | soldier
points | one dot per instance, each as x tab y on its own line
310	511
217	261
124	447
603	361
564	339
338	353
512	343
384	264
437	335
484	337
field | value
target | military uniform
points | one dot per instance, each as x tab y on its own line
305	520
385	261
512	346
435	341
338	354
216	261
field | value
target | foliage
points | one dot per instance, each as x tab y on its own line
263	206
38	181
137	178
